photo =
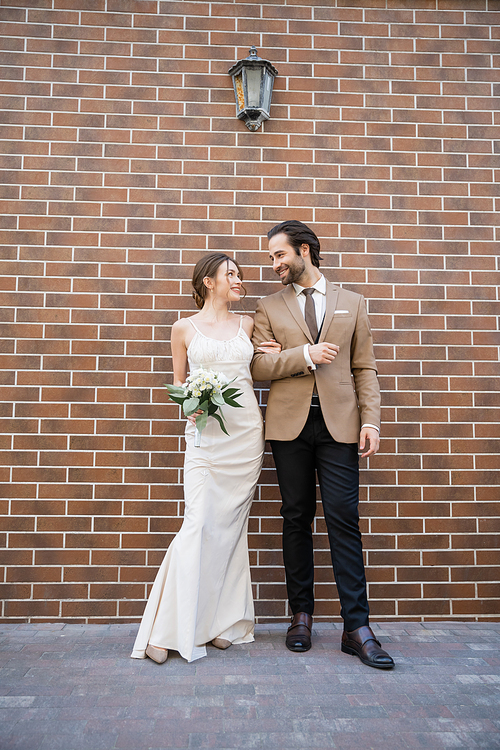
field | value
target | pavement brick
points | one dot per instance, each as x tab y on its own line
74	687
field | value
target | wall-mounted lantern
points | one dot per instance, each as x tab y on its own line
253	80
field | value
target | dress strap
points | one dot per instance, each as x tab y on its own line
241	323
195	328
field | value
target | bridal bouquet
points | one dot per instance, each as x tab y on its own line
207	391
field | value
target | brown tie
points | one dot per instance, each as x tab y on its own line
310	313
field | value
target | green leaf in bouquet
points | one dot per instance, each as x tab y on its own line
218	399
176	390
190	405
201	420
177	399
231	402
229	391
219	419
230	398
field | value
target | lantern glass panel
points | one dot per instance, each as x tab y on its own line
268	91
253	86
240	95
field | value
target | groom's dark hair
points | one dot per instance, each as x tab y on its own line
298	234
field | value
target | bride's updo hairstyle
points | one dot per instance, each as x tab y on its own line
208	266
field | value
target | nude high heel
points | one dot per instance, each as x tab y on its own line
221	643
159	655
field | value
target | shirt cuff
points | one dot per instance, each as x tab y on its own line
310	364
371	425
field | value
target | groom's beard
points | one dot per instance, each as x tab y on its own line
295	271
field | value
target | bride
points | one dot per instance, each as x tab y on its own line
202	592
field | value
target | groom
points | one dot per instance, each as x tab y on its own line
324	399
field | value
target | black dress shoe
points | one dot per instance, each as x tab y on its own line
298	636
362	643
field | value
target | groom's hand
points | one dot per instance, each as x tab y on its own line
371	436
323	354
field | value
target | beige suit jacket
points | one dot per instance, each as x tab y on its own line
348	388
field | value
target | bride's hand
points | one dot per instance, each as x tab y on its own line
269	347
192	418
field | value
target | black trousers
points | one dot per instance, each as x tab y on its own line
337	466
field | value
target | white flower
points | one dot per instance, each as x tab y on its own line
204	383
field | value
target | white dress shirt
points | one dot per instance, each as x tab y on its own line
319	299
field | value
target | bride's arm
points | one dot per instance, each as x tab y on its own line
179	351
179	341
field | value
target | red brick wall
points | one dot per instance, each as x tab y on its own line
123	163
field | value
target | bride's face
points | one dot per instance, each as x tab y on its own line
226	285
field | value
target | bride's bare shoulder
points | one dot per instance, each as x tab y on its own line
182	327
247	323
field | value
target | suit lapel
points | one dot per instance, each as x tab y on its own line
291	302
332	294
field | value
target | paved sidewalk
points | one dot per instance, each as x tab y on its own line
74	687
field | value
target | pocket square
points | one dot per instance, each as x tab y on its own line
342	312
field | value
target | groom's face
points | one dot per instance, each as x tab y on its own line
286	263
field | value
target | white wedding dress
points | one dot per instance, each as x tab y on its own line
202	590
